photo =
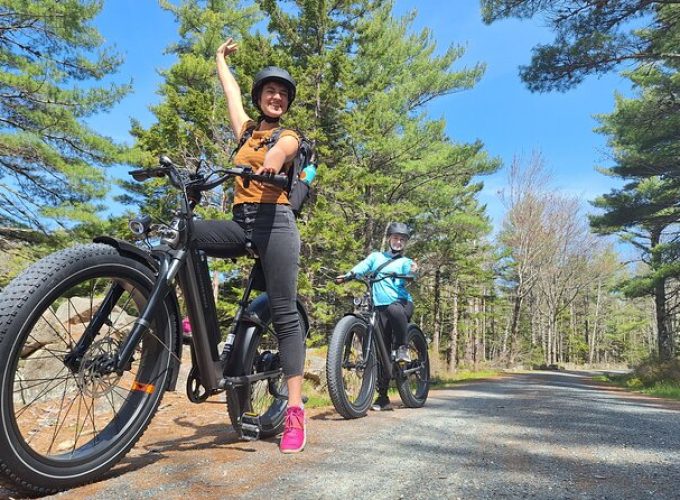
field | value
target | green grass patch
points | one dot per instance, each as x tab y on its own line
315	399
652	377
449	379
669	390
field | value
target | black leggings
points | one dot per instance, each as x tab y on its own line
394	320
275	237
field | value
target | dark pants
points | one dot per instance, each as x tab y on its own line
276	240
394	320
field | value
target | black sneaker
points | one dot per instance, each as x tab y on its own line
381	403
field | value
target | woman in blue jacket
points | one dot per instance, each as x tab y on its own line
390	297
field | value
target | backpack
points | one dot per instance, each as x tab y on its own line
300	174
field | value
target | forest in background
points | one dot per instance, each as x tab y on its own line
548	289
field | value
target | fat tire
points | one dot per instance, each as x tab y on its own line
417	339
276	412
334	370
22	303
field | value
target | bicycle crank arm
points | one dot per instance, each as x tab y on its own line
228	382
409	371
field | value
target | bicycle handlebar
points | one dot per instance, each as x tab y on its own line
369	279
279	180
201	183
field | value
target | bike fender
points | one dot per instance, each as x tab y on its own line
259	310
129	250
304	317
251	327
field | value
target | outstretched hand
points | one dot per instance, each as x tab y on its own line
227	48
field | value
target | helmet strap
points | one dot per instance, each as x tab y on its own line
268	119
396	252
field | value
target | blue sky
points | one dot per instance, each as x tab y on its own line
499	111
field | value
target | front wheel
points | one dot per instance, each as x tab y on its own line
66	419
413	381
351	368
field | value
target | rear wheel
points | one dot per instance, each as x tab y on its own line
66	419
351	368
263	397
413	382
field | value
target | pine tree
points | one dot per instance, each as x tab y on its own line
592	36
644	135
364	79
51	162
192	123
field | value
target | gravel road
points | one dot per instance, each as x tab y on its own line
536	435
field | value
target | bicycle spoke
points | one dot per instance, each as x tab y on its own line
58	428
40	395
56	332
122	310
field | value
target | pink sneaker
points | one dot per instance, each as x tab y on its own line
294	433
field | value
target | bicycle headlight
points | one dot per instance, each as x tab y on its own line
139	226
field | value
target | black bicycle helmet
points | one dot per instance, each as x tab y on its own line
272	74
398	228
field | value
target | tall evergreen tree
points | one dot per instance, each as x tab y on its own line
51	162
644	134
365	79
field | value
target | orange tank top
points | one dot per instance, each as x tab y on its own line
252	154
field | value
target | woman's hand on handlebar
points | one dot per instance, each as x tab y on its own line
342	278
266	171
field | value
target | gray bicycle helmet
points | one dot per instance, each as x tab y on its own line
398	228
272	74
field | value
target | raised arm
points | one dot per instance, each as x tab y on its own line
237	115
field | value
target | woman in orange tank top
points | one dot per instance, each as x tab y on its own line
264	222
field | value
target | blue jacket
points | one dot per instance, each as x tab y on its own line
388	290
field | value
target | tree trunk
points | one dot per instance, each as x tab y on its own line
437	316
514	325
664	333
216	284
483	323
476	335
469	334
452	351
592	337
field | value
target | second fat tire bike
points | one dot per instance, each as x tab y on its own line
358	354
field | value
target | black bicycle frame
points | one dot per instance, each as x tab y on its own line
370	317
374	332
178	259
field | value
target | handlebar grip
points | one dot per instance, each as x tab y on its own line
143	174
277	180
245	171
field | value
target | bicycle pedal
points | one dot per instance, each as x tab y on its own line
250	426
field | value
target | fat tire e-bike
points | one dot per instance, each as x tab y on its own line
358	351
91	338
